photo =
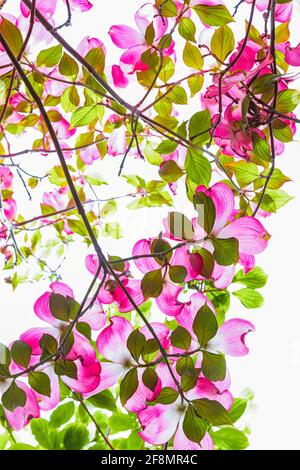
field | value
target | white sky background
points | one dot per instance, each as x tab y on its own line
272	369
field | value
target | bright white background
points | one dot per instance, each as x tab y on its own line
272	369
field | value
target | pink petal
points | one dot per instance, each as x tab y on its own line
292	55
95	315
133	288
230	338
80	5
119	78
125	37
137	402
110	375
116	144
252	236
145	265
168	300
112	341
47	9
88	378
223	199
159	423
82	350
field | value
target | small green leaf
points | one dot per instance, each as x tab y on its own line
193	426
40	382
21	353
48	345
128	386
68	66
192	56
181	338
222	42
198	168
237	409
13	397
177	274
199	127
213	15
104	400
187	29
62	414
230	439
250	298
205	325
12	35
136	343
167	396
212	411
84	116
152	284
226	251
287	100
213	366
59	306
150	378
67	368
76	437
254	279
49	57
170	172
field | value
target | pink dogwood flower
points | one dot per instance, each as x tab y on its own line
111	292
161	422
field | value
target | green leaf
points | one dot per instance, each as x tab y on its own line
4	355
193	426
104	400
245	172
230	439
177	274
161	246
13	397
70	99
49	57
59	306
12	35
181	338
226	251
68	368
205	325
128	386
213	15
222	42
212	411
136	343
167	8
180	226
237	409
206	211
213	366
195	84
287	100
170	172
76	437
62	414
254	279
84	116
167	396
96	58
40	382
150	378
48	346
152	284
198	168
280	197
68	66
199	127
192	56
250	298
187	29
21	353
